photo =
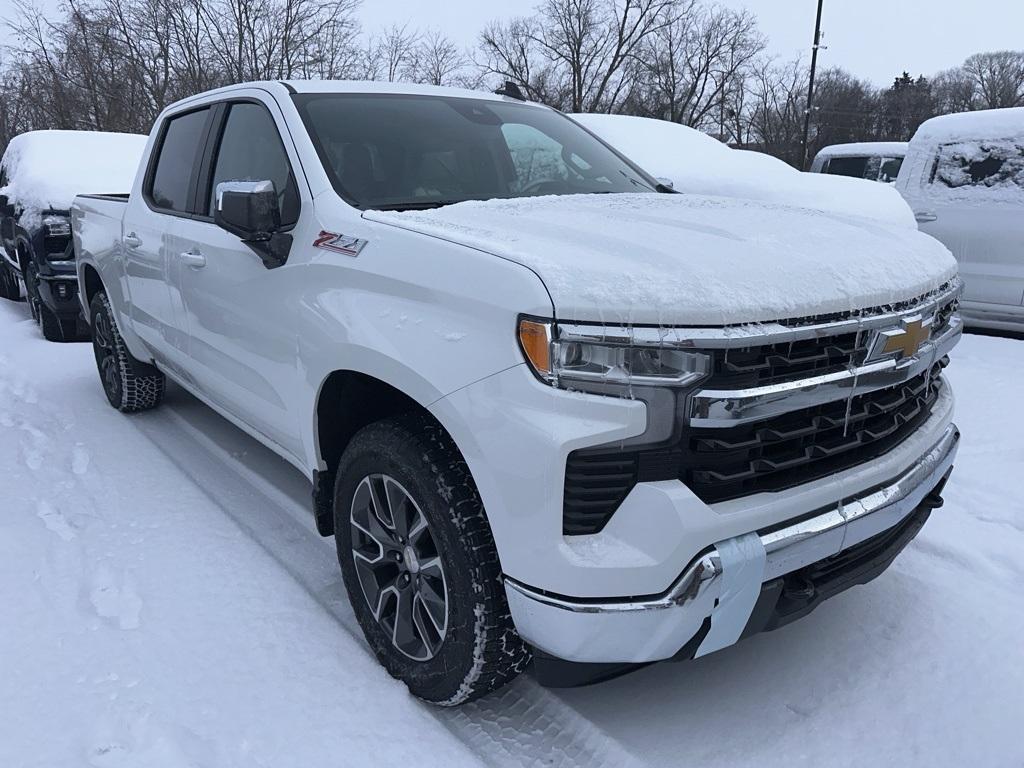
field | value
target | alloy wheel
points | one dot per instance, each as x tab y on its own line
106	360
399	566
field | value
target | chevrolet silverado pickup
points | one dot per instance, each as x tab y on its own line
549	408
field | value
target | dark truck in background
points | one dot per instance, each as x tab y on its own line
40	174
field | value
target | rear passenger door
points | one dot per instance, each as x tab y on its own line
168	195
242	339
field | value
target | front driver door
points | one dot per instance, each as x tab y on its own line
242	340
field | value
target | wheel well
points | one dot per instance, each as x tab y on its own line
93	284
348	402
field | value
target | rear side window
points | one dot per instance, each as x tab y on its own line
173	174
848	166
992	164
251	150
890	169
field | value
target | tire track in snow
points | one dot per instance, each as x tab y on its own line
524	724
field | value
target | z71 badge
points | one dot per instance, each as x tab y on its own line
332	241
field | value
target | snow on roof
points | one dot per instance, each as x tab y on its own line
698	163
46	169
865	149
964	126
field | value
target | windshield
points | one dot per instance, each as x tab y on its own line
403	152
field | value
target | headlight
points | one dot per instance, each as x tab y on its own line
572	361
56	226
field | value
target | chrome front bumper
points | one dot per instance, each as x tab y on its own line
722	584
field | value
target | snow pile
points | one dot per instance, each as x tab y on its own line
46	169
698	163
693	260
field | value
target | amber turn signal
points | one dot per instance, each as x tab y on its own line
535	340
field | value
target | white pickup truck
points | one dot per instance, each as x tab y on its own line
549	408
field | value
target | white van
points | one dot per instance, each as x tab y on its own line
871	160
964	179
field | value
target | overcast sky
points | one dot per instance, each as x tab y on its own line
874	39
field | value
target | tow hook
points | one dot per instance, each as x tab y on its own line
934	498
798	588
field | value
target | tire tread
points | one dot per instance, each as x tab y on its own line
142	385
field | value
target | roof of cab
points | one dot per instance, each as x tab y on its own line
981	124
349	86
372	86
865	149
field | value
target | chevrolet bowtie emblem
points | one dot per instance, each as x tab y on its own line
908	339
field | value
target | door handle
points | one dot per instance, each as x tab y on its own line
923	217
132	240
194	259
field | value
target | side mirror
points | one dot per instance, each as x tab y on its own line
665	182
251	211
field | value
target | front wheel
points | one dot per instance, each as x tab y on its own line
56	328
420	565
32	291
9	287
130	384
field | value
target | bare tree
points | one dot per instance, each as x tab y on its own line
999	78
777	108
577	53
439	61
692	61
393	55
954	90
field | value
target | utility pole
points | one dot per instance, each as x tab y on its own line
810	88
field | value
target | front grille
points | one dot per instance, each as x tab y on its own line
768	455
786	361
787	450
759	365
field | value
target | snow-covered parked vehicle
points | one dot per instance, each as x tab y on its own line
871	160
700	164
546	405
40	174
964	178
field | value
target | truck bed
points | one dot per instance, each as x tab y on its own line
96	224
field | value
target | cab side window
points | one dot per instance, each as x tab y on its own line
992	164
172	176
251	150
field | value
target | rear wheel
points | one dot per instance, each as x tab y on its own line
130	384
420	565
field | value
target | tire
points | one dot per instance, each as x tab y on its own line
446	651
9	287
56	328
32	292
130	384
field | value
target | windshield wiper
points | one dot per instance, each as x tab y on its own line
414	205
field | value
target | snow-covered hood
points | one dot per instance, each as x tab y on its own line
692	260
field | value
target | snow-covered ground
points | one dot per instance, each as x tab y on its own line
165	602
